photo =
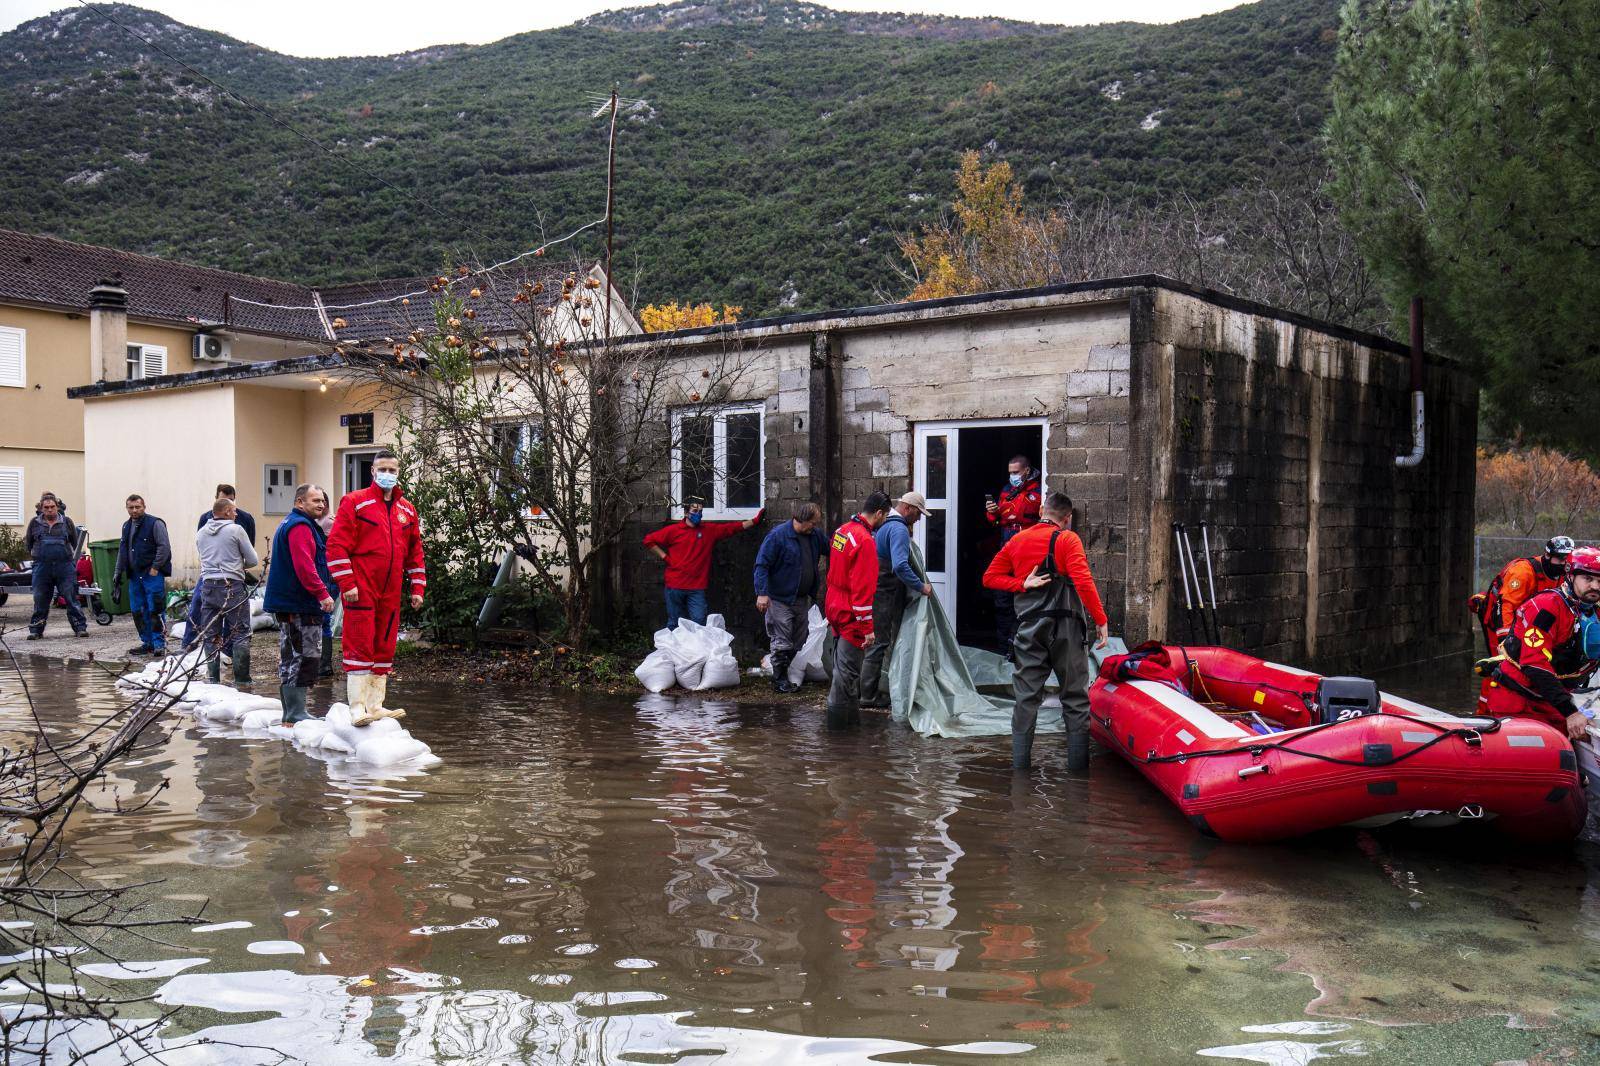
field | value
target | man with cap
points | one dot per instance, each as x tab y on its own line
898	581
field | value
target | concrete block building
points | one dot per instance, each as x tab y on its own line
1150	402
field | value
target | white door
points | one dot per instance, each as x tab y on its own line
936	479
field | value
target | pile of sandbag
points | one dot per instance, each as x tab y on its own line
259	618
693	656
384	743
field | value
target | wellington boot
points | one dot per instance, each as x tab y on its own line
293	698
377	689
327	658
358	695
214	670
1021	752
1078	752
838	717
241	666
780	671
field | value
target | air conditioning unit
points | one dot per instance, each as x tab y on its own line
210	348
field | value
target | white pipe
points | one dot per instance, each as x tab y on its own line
1418	434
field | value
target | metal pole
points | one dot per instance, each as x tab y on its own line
1199	591
1211	582
1183	568
611	185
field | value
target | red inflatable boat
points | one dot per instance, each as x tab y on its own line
1254	751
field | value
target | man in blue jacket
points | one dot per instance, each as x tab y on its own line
898	581
300	592
145	559
787	580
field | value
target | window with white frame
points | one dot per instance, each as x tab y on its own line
146	361
718	459
277	487
11	495
519	465
13	357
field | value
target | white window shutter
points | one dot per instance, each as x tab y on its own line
153	360
11	495
13	357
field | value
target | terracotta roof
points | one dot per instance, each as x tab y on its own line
57	273
46	270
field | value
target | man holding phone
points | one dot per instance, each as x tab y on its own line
1016	509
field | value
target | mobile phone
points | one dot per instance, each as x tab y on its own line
988	499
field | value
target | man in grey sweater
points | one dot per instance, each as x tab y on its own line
225	554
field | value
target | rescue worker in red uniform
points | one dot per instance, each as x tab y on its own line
852	583
686	549
1521	580
1016	509
1546	657
375	556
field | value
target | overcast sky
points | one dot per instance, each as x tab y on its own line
381	27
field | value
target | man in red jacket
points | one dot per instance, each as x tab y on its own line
1546	655
1045	568
375	555
1016	509
686	547
852	583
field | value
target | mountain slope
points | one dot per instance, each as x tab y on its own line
760	162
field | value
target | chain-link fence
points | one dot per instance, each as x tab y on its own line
1491	554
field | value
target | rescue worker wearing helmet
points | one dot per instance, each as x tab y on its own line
1521	580
1549	652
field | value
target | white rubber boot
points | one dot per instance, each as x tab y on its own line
358	693
377	689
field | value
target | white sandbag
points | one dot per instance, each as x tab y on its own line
721	670
383	743
176	631
656	673
807	663
261	718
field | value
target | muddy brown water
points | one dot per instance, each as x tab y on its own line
661	880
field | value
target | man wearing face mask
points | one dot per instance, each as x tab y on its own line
1520	581
1547	655
375	556
1016	509
686	548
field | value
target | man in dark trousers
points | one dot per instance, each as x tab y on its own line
1015	509
1044	566
145	559
787	577
52	542
898	581
246	521
686	549
852	581
300	595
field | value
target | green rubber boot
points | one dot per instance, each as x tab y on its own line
294	704
241	666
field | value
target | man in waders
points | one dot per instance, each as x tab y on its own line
1547	655
852	580
375	556
897	583
1045	568
52	541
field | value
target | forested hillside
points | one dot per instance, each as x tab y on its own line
768	156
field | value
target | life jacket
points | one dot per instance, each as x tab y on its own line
1488	607
1151	661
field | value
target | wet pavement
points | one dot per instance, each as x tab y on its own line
604	880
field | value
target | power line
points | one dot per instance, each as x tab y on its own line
262	110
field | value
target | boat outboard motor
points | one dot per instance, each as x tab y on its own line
1342	698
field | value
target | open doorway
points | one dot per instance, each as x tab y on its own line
959	465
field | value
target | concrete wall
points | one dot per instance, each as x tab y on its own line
269	427
133	445
1282	437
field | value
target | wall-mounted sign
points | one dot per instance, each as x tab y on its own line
359	426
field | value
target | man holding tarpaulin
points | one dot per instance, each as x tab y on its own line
852	580
1045	567
898	581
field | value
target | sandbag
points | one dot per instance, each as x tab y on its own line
656	673
807	663
701	656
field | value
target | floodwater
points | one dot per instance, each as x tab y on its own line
602	880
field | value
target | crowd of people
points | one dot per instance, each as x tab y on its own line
1045	596
369	555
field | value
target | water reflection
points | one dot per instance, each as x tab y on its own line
598	880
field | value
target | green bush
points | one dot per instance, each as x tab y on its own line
11	550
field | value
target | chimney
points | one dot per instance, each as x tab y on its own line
108	330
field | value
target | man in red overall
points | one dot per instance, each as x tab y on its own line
852	583
374	555
1545	654
1016	509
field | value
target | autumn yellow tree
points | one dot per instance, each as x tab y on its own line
659	318
990	242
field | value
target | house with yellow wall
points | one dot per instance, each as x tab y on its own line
123	373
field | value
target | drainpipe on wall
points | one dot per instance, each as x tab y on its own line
1418	426
108	331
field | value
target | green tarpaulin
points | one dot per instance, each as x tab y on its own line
942	689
